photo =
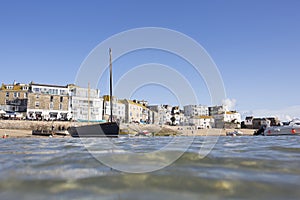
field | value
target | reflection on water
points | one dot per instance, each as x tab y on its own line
236	168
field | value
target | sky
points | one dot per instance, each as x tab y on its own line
255	45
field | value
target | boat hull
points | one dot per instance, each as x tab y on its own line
42	132
282	130
95	130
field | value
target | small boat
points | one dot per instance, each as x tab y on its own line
293	128
42	132
61	132
144	133
234	133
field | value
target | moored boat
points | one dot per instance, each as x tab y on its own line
234	133
42	132
108	129
293	128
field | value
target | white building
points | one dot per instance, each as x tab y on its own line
118	109
195	110
85	104
228	117
249	122
178	116
134	112
202	122
164	113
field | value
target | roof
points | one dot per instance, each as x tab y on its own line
132	103
205	117
137	104
231	112
15	87
48	85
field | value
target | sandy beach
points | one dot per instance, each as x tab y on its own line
16	130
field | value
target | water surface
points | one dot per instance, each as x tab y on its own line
236	168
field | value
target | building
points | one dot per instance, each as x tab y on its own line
14	97
195	110
177	116
153	117
216	110
248	123
85	104
228	119
256	123
135	112
118	109
224	118
48	102
202	122
164	113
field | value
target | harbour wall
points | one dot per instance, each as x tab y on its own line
31	125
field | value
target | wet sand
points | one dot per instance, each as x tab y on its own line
164	131
15	133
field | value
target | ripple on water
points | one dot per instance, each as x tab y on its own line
236	168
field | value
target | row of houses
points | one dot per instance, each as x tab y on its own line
56	102
257	122
49	102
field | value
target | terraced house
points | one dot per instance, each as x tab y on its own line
118	109
85	104
48	102
13	97
135	112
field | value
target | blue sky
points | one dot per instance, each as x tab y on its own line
255	44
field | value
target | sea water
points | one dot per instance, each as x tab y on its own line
235	168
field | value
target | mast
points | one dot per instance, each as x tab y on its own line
110	85
88	102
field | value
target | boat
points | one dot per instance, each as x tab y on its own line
293	128
42	132
234	133
61	132
143	133
108	129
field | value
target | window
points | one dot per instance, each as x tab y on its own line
51	106
25	95
24	88
16	94
37	104
51	98
37	96
63	92
36	90
7	94
60	106
61	99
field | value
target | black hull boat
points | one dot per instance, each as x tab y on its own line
109	129
42	132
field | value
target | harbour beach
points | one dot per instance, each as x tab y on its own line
23	129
